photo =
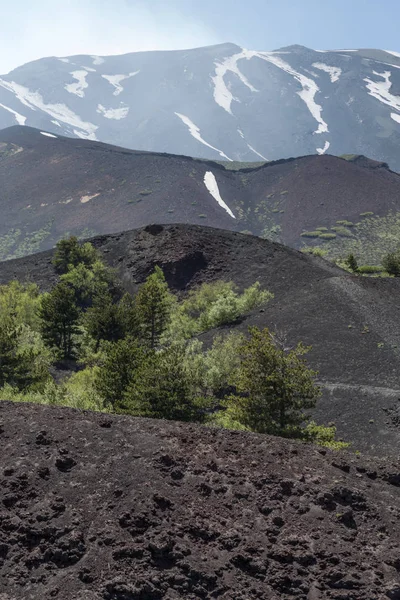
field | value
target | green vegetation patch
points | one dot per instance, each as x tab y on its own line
311	234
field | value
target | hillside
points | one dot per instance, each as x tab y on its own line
115	508
218	102
350	322
51	186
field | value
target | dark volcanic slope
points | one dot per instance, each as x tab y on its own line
50	186
352	323
95	507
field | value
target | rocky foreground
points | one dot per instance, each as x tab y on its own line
96	506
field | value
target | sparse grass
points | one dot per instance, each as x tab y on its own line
345	223
327	236
311	234
366	214
340	230
315	251
366	269
322	229
146	192
202	216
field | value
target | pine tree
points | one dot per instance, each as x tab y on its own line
59	316
162	389
391	263
154	302
70	253
123	358
352	263
274	386
110	321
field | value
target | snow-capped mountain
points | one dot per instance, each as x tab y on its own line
220	102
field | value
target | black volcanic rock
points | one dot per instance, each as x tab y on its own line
249	517
242	104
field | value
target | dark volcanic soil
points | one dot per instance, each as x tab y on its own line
99	507
67	185
352	323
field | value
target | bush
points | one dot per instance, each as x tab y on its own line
315	250
340	230
322	229
327	236
310	234
345	223
391	263
273	387
366	269
366	214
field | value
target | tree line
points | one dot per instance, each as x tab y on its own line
141	355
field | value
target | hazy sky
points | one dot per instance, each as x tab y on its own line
31	29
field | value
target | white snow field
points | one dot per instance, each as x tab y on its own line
21	120
395	117
381	90
333	72
222	94
80	85
113	113
61	112
50	135
116	80
324	149
195	132
211	184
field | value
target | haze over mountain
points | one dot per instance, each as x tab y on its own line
217	102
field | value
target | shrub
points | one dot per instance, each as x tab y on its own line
366	214
365	269
322	229
273	387
327	236
352	263
340	230
315	250
311	234
346	223
391	263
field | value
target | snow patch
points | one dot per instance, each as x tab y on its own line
64	60
50	135
222	94
381	90
255	152
56	123
324	149
395	117
113	113
89	69
61	112
19	118
115	81
308	92
97	60
82	84
211	184
334	72
195	132
397	54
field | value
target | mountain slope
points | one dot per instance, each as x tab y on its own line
350	322
115	508
217	102
54	185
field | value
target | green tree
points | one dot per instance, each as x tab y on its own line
59	316
162	388
89	282
154	305
23	361
352	263
70	253
123	358
273	386
391	263
111	321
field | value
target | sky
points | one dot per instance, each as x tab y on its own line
34	29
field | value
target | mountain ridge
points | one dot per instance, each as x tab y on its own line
217	102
